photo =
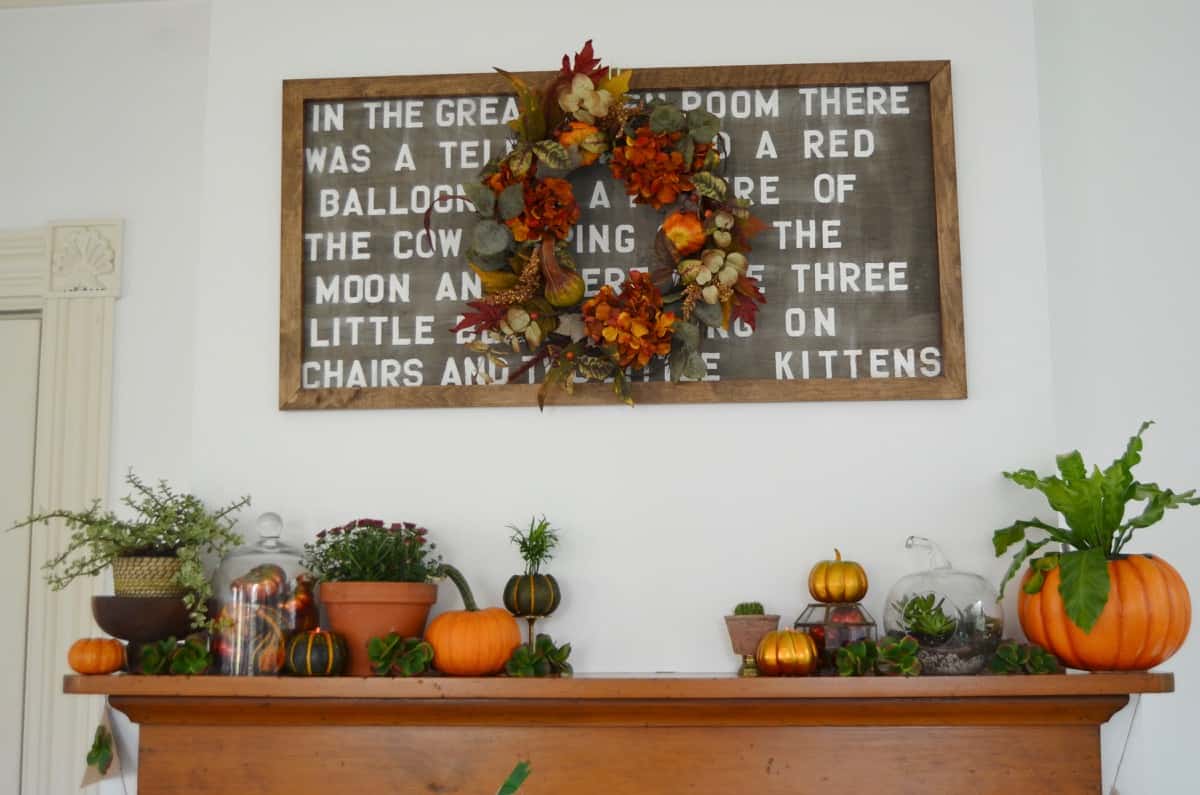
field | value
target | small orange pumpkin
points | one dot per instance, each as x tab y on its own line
685	231
787	652
96	656
837	580
472	642
1144	622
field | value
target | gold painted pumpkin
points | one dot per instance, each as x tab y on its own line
837	580
96	656
1144	622
787	652
472	642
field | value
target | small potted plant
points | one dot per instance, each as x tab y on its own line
746	627
533	595
1093	606
156	553
375	579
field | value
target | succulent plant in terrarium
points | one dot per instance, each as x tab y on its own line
952	614
925	619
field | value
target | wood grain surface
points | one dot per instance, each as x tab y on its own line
621	734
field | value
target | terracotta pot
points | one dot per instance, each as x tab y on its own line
359	611
745	632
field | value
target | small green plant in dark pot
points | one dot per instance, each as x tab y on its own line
533	595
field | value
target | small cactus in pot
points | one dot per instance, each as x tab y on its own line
747	626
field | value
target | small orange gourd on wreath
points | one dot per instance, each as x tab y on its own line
534	298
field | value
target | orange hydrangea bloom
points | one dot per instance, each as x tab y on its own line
653	171
550	210
633	321
685	232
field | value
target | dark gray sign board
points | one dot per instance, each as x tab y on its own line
851	167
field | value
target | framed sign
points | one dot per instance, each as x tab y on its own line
850	166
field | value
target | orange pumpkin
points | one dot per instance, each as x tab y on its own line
787	652
472	642
96	656
1144	622
837	580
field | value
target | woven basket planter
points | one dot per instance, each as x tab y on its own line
147	576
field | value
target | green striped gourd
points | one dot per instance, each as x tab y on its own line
532	595
316	653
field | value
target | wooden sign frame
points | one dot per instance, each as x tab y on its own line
951	384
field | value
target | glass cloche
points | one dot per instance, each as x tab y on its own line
263	595
953	614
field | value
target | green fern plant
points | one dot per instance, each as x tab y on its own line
536	543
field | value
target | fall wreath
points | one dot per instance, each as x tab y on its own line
533	296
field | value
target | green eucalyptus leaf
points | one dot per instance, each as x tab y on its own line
666	119
708	314
702	126
687	334
1084	585
491	238
482	197
687	148
511	201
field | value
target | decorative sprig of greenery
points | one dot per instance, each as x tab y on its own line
165	523
100	755
168	656
543	659
367	550
857	658
1094	507
535	544
889	656
1016	658
748	609
393	655
899	655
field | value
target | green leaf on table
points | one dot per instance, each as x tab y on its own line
1084	585
515	779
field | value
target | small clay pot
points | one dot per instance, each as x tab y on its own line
359	611
746	631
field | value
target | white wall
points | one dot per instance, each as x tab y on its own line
1119	121
671	513
651	558
103	117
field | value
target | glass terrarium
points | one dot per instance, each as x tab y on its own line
953	614
835	625
263	595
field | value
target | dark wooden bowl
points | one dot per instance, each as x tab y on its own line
141	619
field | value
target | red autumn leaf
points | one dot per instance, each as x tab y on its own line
586	63
747	229
485	317
747	297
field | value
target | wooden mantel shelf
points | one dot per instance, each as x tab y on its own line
621	733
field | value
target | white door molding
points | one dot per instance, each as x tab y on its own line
70	273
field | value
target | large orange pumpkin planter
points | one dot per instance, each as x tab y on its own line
1092	606
1144	622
